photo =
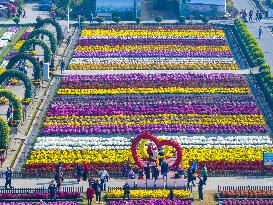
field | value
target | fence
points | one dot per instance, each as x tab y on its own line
238	188
39	190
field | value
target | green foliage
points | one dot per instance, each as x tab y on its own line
16	20
28	45
99	20
34	62
49	34
182	19
158	19
205	19
116	19
43	22
137	21
4	134
16	104
21	76
89	7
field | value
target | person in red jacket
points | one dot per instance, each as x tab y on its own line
90	195
150	151
85	171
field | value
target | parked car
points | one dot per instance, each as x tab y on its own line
45	5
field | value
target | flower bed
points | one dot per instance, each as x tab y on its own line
246	194
35	203
150	201
7	36
59	195
247	202
149	47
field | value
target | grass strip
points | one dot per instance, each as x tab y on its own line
17	153
2	31
14	40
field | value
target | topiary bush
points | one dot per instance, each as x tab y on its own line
182	19
4	134
49	34
31	42
21	76
43	22
16	104
158	19
22	56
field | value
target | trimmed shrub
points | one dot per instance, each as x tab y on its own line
182	19
4	134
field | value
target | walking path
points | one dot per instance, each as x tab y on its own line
266	41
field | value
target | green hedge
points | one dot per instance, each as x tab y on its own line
23	56
49	34
31	42
42	22
21	76
16	104
256	56
254	52
4	134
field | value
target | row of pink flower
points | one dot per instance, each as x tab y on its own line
164	27
59	195
155	128
152	53
41	203
150	104
153	80
150	202
247	202
183	42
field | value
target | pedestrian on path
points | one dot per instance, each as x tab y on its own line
52	191
90	195
250	15
260	16
260	31
24	13
85	171
78	173
98	191
126	189
52	64
59	180
201	189
257	15
190	178
147	171
8	175
91	17
164	169
8	114
62	66
205	174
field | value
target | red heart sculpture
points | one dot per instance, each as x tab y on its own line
159	143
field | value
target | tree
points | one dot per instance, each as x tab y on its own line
205	19
137	20
158	19
116	19
182	19
89	7
4	134
99	20
16	20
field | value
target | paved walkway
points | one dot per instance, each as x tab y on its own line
266	41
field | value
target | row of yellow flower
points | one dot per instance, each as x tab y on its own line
177	90
189	119
140	194
155	66
121	156
134	33
151	47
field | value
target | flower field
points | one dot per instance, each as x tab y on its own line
93	118
152	48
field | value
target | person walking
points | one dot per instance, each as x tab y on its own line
8	175
24	13
62	66
85	171
257	15
52	64
201	189
194	167
190	178
171	194
164	169
59	180
90	195
103	179
126	189
98	191
91	17
205	174
260	31
52	191
250	14
156	172
147	171
78	172
8	114
260	16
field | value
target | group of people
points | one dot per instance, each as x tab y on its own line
21	12
248	16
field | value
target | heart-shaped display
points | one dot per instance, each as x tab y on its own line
158	143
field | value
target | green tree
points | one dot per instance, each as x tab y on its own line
182	19
16	20
158	19
137	20
99	20
116	19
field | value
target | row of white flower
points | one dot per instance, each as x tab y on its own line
163	60
6	37
80	143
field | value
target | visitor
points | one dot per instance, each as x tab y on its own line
205	174
156	172
250	15
41	63
78	172
260	31
24	13
92	183
201	189
52	191
8	175
126	189
62	66
131	175
140	174
260	16
91	17
98	189
160	155
171	195
194	167
102	175
147	171
52	64
190	178
153	164
8	114
85	171
59	180
90	194
257	15
150	151
164	169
